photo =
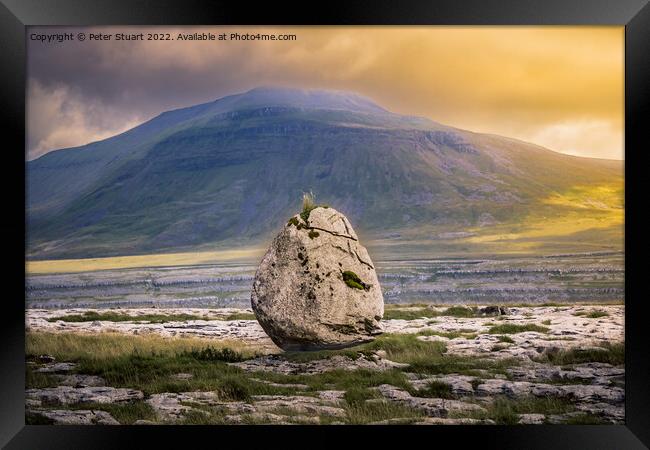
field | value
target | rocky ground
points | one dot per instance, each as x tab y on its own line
596	277
432	365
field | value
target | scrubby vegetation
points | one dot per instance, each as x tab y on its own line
512	328
412	312
459	311
110	316
152	364
434	389
505	411
591	314
408	314
308	205
105	346
609	353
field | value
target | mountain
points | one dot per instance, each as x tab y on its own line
230	172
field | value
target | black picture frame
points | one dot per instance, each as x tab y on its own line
15	15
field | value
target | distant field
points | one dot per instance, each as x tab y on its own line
129	262
583	211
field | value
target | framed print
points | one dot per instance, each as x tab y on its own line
254	221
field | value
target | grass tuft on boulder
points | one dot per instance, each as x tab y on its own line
308	205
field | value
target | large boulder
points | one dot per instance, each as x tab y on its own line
316	286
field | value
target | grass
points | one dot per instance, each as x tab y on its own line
434	389
125	413
505	339
308	205
339	379
135	261
39	380
597	314
360	411
591	314
239	316
148	363
464	333
419	313
110	316
409	314
398	347
368	412
459	311
505	411
511	328
422	356
574	213
613	354
214	354
106	346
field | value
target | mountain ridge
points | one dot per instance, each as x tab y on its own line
204	173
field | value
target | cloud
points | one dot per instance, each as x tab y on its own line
598	136
523	82
59	118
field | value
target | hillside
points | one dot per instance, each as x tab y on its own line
229	173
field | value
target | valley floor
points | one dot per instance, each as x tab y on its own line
432	365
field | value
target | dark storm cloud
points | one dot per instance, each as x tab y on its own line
535	84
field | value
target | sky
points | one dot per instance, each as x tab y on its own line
558	87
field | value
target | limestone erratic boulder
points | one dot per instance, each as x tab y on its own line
317	287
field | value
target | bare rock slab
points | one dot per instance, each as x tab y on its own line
68	395
317	287
74	417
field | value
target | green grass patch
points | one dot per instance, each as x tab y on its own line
109	316
339	379
74	347
505	339
37	380
368	412
464	333
126	413
511	328
591	314
459	311
422	356
613	354
434	389
216	354
239	316
358	395
409	314
505	411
